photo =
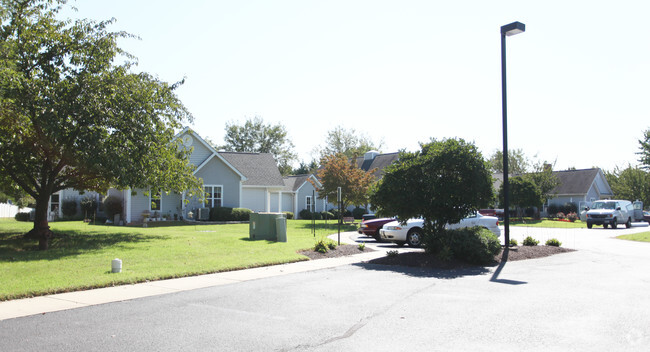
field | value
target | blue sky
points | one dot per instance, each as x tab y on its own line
406	71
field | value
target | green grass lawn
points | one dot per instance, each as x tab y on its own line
641	237
547	223
80	255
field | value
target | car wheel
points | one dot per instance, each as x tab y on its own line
605	226
614	223
589	225
628	224
414	238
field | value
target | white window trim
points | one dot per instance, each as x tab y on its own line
308	202
221	199
161	201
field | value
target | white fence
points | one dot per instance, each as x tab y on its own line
9	210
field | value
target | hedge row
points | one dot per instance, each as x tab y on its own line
230	214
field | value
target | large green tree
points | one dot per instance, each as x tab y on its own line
256	136
339	171
645	149
442	183
523	193
518	163
542	176
631	183
348	142
71	117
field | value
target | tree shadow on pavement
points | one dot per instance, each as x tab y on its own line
427	272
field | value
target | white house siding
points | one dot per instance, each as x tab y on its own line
254	199
139	203
217	173
287	202
275	205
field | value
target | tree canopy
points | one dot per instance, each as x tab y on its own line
644	145
348	142
256	136
523	193
518	163
70	117
631	183
442	183
339	171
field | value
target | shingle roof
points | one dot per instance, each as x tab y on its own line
575	181
260	169
380	162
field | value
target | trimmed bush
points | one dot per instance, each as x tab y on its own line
572	217
530	212
327	215
553	242
569	207
24	216
513	242
358	212
475	245
305	214
552	210
529	241
69	207
241	214
288	214
112	206
220	213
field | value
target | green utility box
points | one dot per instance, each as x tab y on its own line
268	226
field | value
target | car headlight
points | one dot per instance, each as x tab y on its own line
393	228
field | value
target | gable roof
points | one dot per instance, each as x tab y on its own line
380	162
209	147
295	182
575	181
259	169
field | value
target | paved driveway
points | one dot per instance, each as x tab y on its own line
594	299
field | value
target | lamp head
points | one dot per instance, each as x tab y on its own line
513	28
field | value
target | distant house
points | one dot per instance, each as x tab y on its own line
374	160
581	187
299	193
230	179
575	186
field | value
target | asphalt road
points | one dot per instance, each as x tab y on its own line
594	299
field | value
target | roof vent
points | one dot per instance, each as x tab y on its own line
370	155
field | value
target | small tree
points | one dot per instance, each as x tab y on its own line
339	171
644	153
442	183
347	142
523	193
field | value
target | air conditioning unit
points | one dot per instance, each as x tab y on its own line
204	214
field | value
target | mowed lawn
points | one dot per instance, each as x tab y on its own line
546	223
80	255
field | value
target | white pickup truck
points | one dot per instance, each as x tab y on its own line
610	213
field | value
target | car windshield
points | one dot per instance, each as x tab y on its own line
604	205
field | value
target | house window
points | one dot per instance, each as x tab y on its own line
155	200
54	202
213	196
308	203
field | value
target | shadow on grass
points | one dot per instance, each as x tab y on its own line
427	272
248	239
15	248
329	226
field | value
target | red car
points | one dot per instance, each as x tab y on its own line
371	228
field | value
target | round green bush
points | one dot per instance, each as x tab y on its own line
241	214
529	241
305	214
22	216
475	245
288	214
327	215
553	242
358	212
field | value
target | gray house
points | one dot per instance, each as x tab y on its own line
581	187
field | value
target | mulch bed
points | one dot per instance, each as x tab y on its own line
424	260
340	251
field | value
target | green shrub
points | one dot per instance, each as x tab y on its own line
219	214
552	210
392	253
112	206
475	245
321	246
326	215
572	217
569	207
530	212
529	241
288	214
513	242
305	214
24	216
358	212
69	207
331	244
88	206
362	247
553	242
241	214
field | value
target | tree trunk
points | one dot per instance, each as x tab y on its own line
41	230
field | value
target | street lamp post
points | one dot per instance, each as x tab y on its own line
507	30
